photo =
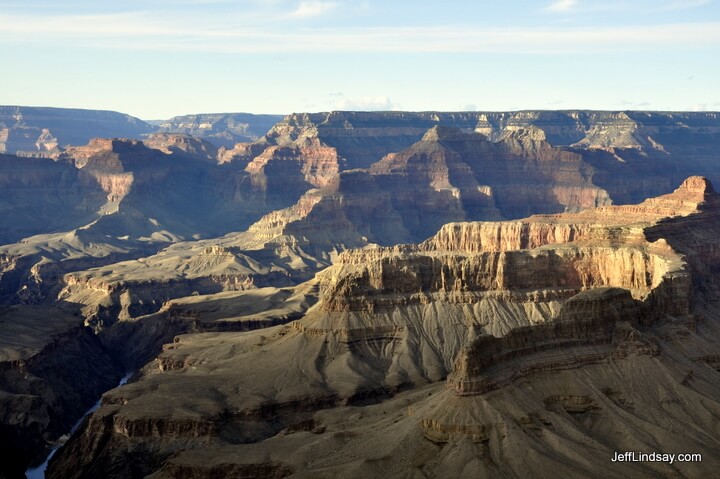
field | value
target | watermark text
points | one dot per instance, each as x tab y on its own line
634	456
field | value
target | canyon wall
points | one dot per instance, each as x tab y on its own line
444	336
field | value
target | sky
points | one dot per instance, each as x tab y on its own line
155	59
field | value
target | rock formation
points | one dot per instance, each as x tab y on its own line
543	344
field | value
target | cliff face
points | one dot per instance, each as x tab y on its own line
283	172
534	325
38	195
365	137
454	176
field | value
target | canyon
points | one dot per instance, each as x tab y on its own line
458	351
412	294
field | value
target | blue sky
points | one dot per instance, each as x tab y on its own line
159	58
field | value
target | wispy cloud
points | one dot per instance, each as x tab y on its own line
308	9
144	31
562	5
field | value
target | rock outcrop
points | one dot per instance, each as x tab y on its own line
455	176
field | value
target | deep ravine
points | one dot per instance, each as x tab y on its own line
38	472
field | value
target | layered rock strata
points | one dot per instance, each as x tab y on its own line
536	335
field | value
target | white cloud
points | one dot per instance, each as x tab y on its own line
144	31
366	103
635	105
561	5
713	106
308	9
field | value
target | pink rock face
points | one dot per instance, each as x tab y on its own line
308	161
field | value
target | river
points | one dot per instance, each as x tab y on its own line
39	471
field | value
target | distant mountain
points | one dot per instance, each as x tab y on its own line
221	129
40	131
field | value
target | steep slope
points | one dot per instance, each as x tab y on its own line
538	326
